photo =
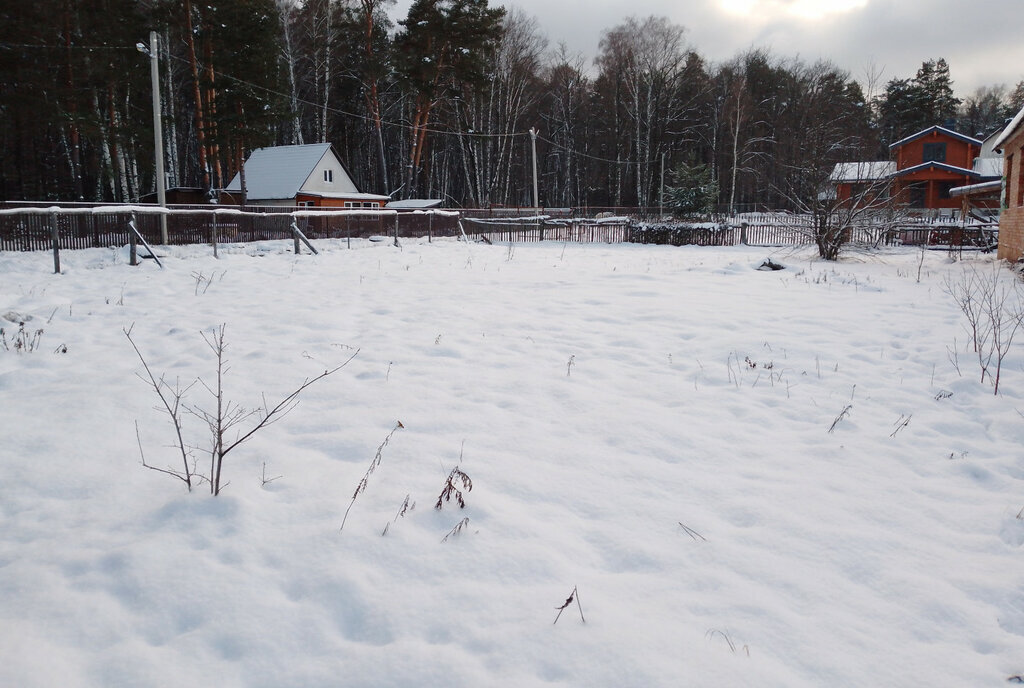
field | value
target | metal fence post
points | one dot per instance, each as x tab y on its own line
743	233
55	235
396	229
133	243
213	235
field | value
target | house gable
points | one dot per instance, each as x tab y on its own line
936	145
328	176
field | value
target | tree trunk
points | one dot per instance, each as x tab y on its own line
197	96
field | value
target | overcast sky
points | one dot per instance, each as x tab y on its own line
982	40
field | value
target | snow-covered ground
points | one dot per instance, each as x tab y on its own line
647	425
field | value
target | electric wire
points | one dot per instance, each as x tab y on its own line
346	113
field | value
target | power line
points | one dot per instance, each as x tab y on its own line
596	157
339	111
43	46
356	115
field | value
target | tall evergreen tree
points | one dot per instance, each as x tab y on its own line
442	44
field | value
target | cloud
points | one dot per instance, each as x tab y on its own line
980	41
798	9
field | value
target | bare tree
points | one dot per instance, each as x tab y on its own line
498	107
647	59
290	56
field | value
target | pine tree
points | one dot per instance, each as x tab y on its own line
442	43
693	190
1015	101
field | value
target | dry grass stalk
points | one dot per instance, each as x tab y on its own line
365	481
459	527
451	489
573	596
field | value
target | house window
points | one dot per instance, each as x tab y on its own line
1020	178
329	176
1007	182
934	152
306	204
349	204
918	193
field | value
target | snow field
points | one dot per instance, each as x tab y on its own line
600	398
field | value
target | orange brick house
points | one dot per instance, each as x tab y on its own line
1011	221
923	169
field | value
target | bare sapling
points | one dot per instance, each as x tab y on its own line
994	310
967	293
171	404
574	596
1005	312
365	480
225	419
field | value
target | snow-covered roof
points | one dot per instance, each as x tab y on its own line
416	203
279	172
1009	130
989	167
934	164
971	189
862	171
940	130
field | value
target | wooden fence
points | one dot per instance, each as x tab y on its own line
545	229
81	226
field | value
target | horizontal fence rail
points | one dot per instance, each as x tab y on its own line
24	227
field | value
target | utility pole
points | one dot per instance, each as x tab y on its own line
158	136
533	142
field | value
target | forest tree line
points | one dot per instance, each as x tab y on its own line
437	105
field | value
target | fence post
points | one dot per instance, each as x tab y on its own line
55	235
396	230
297	233
213	235
430	226
348	231
133	243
